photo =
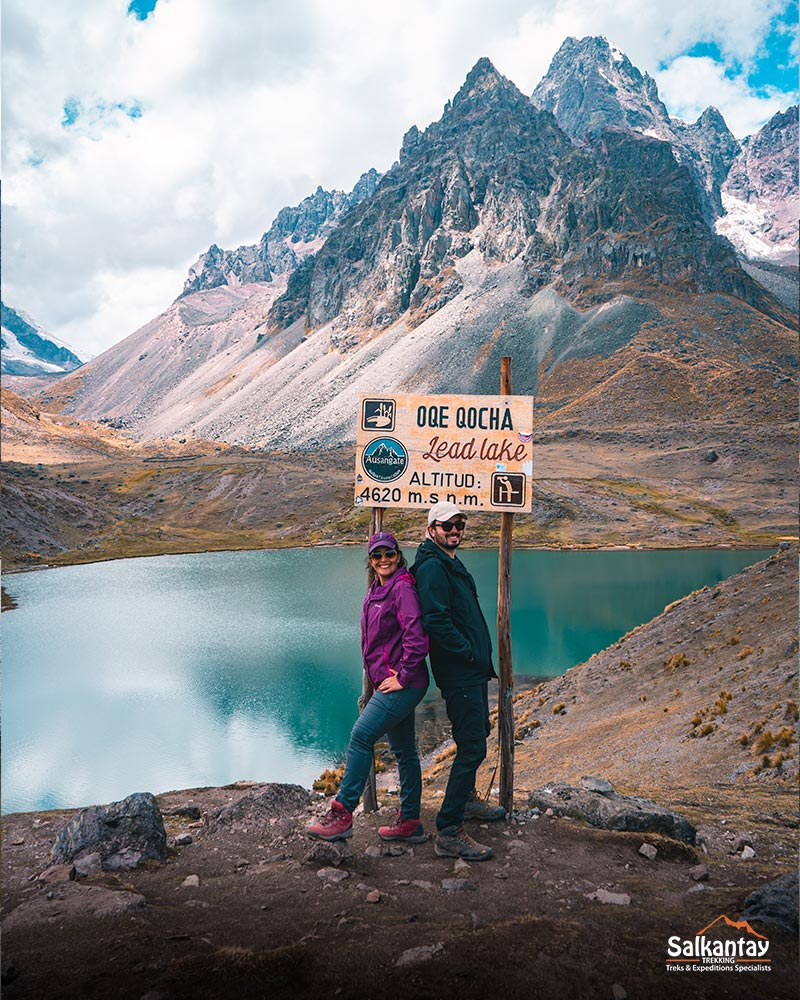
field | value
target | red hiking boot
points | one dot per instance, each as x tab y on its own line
336	824
409	830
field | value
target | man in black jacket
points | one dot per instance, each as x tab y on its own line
461	661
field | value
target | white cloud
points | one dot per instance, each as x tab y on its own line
248	107
690	84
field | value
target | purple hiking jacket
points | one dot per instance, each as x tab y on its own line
392	634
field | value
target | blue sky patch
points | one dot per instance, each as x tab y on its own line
71	112
141	9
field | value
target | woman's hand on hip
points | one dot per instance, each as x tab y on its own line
391	683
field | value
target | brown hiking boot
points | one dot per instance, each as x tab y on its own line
477	808
455	842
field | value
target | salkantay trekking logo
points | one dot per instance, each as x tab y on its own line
701	953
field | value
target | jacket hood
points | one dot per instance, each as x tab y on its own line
430	550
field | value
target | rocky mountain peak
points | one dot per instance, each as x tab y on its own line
591	84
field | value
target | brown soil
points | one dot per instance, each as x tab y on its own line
262	923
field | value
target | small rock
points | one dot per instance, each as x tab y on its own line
462	866
548	812
458	885
18	842
748	853
415	956
89	864
363	887
396	850
500	875
649	851
615	898
700	873
328	853
189	811
619	992
58	873
421	883
392	790
191	882
710	456
516	844
697	888
333	874
123	860
740	841
372	852
183	839
374	896
597	785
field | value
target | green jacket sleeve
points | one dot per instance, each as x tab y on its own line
437	616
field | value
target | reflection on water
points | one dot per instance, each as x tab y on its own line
178	671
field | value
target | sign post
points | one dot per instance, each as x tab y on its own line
473	451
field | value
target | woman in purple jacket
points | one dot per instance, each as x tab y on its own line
394	648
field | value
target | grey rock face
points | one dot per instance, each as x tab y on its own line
259	806
612	812
775	903
134	824
591	86
281	249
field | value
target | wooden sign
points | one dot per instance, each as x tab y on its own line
475	451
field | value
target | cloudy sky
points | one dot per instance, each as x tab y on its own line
135	134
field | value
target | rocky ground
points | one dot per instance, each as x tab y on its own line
252	908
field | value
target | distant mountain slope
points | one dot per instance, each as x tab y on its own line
27	349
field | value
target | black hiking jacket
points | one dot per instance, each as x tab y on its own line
460	644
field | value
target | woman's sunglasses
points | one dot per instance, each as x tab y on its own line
384	554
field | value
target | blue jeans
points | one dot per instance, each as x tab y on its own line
468	712
392	715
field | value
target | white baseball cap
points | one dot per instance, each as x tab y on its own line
443	511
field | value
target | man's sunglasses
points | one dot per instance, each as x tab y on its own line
384	554
449	525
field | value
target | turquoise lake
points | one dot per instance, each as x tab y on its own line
181	671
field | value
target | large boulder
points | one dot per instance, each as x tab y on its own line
132	828
775	903
258	807
609	810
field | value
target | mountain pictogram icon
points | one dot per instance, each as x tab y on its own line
739	925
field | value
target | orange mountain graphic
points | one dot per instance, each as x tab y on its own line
739	925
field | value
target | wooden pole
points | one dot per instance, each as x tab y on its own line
505	706
370	798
